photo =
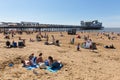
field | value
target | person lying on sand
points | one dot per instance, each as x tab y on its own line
109	47
25	63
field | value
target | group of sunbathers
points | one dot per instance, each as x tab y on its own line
34	61
14	44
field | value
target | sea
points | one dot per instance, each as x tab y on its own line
110	30
116	30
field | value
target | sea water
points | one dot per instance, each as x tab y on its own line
116	30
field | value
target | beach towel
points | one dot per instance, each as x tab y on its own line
55	69
31	67
34	65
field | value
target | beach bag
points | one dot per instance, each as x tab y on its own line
42	66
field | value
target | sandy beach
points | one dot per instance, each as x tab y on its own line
100	64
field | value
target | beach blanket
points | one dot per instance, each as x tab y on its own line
54	69
32	67
34	64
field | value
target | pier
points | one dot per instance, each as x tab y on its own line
35	26
40	27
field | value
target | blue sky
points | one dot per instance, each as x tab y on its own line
61	11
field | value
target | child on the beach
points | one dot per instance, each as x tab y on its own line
78	47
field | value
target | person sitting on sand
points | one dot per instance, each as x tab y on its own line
30	62
50	60
40	62
19	38
8	43
88	43
78	46
39	59
14	44
31	56
57	43
112	46
32	59
53	63
84	45
23	42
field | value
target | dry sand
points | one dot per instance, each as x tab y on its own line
101	64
